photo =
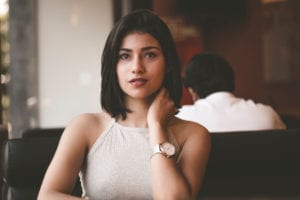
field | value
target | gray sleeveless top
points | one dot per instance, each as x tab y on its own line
118	164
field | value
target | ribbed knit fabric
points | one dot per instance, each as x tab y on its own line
118	165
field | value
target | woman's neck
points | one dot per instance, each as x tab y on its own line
138	115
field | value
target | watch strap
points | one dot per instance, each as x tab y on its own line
156	150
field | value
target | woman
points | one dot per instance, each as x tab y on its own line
135	148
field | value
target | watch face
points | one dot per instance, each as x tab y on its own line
168	149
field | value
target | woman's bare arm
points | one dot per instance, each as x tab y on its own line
182	180
171	180
64	168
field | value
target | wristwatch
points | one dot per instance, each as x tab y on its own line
167	149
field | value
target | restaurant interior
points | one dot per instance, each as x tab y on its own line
51	50
260	38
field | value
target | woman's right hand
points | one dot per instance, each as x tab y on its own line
161	110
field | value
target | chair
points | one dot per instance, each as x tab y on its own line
25	161
253	165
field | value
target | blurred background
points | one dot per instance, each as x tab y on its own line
51	52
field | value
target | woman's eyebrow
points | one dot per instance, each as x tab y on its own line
125	49
150	47
143	49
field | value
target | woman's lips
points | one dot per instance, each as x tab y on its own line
137	82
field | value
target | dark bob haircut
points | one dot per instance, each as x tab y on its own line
207	73
144	21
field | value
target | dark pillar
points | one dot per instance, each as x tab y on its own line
23	87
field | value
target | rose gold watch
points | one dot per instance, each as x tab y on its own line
167	149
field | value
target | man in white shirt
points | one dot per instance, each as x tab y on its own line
210	80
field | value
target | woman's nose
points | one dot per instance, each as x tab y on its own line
137	66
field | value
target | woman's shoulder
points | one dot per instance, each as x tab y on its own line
188	130
87	126
189	126
194	139
90	120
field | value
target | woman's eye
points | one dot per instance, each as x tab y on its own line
123	56
150	55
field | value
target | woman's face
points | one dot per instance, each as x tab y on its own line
141	66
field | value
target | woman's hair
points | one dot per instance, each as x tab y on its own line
144	21
207	73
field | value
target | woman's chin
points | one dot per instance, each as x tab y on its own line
143	96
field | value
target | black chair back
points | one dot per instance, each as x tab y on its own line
25	161
253	165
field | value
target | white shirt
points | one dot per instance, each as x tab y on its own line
222	111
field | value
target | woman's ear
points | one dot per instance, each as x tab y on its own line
193	94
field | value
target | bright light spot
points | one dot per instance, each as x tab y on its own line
3	8
31	101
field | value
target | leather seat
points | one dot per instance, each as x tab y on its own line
253	165
242	165
25	161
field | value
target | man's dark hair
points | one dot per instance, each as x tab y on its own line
144	21
207	73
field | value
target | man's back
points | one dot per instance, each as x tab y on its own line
222	111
